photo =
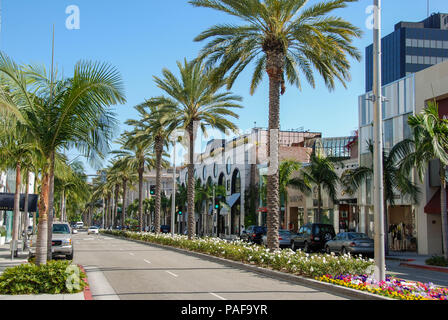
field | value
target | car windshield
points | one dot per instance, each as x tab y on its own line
61	229
284	232
93	227
356	235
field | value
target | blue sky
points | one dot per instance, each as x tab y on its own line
140	37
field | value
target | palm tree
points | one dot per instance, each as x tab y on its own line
286	180
61	113
152	130
193	102
394	178
16	151
136	152
284	40
321	173
431	142
124	171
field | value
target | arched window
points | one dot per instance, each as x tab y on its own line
236	182
229	165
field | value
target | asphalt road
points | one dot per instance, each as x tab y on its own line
125	270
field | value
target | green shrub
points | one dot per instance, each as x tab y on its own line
2	232
55	277
301	263
437	261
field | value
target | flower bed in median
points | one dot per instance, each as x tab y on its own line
342	270
392	287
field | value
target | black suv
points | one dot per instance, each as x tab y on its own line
312	237
254	234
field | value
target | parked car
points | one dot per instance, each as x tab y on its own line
312	237
62	244
284	237
94	230
254	234
165	229
351	242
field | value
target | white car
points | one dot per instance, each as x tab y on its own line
93	230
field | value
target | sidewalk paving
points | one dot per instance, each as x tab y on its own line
413	260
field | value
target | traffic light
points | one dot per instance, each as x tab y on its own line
179	211
152	190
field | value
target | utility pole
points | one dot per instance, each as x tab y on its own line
215	216
173	204
380	261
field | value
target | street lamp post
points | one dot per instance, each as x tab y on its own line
380	263
173	203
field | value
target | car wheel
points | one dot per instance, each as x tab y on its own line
293	246
307	248
69	257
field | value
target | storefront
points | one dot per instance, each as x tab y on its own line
401	229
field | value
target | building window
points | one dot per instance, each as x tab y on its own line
204	172
229	165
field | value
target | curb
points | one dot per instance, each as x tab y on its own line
87	292
431	268
319	285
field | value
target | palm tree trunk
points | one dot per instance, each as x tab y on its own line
274	64
42	235
117	191
319	204
25	210
50	209
190	190
140	196
63	205
123	208
16	216
443	208
158	199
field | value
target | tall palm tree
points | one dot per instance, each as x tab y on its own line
394	177
431	142
61	113
152	129
123	170
321	172
194	101
16	151
282	39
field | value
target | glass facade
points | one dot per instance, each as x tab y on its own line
407	50
399	106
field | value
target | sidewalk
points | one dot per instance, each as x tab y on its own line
5	258
413	260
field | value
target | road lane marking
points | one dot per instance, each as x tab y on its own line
131	254
215	295
174	275
147	261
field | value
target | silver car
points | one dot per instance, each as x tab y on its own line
284	237
351	242
62	243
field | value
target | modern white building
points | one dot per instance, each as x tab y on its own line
419	223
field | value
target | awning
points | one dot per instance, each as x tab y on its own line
231	200
433	206
224	211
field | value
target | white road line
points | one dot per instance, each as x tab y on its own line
131	254
148	262
174	275
215	295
